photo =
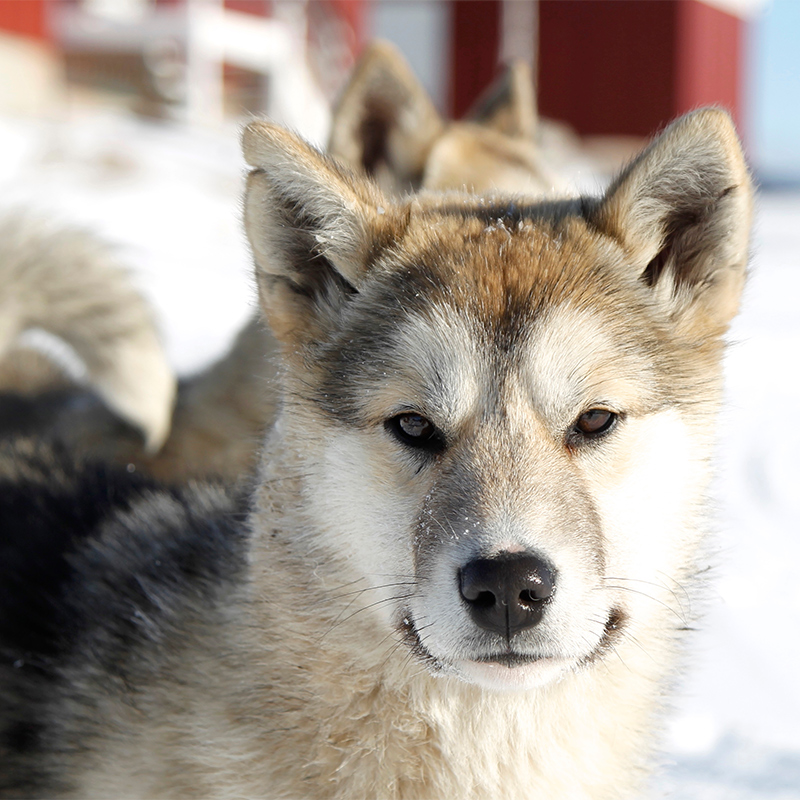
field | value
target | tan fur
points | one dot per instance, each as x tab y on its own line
384	121
218	424
508	105
64	281
222	414
29	372
644	223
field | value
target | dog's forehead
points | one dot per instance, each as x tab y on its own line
475	301
556	360
472	301
504	261
503	267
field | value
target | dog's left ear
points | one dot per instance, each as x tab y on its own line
314	229
508	105
682	212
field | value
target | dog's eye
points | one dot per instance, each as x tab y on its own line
416	431
594	423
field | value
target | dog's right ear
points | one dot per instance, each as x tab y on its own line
385	122
314	230
508	105
681	211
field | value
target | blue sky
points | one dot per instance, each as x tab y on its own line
772	91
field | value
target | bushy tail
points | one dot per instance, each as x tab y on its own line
66	282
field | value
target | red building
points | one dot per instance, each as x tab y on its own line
610	66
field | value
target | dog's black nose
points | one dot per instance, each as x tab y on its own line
506	594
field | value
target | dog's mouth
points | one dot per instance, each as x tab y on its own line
511	668
613	630
411	638
509	659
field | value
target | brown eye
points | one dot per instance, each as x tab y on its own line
415	430
594	422
415	426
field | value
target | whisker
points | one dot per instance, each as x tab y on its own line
660	586
337	622
680	586
649	597
371	589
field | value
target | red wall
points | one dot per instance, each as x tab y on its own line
709	63
627	66
609	66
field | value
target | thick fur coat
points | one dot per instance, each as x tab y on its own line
483	493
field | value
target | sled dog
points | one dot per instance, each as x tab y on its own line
384	125
456	575
66	282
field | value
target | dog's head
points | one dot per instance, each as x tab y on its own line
386	125
504	409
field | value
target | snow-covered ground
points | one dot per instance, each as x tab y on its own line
170	199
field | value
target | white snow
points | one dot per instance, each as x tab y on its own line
736	730
170	198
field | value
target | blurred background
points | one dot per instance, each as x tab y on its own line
607	67
124	116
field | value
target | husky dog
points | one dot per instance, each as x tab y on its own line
485	482
66	282
384	125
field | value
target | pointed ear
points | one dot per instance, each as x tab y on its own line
682	211
314	230
385	123
508	105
